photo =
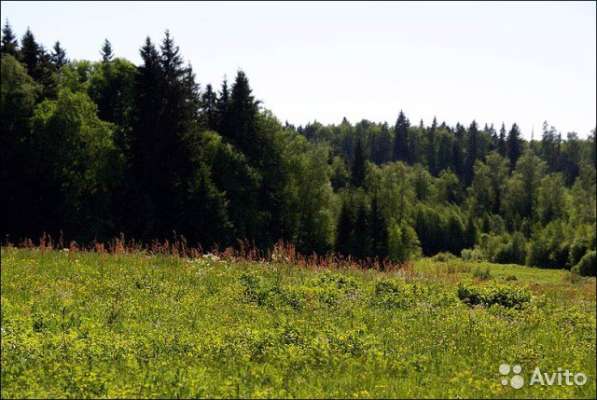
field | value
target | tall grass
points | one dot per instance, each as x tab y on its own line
281	251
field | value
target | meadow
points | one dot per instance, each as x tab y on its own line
87	324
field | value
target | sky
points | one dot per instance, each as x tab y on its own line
491	62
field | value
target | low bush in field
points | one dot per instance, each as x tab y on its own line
505	296
392	294
587	266
475	254
482	274
443	257
328	289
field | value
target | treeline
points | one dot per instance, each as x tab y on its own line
93	149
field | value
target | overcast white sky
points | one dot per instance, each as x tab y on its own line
493	62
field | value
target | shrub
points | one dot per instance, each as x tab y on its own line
512	252
550	246
482	273
339	281
578	249
391	294
505	296
251	286
472	255
587	266
443	257
403	243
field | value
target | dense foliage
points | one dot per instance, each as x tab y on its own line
92	149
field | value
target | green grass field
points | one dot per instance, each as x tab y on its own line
133	325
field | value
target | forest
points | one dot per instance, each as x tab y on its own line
95	149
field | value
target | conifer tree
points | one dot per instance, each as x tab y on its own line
9	43
382	147
242	116
45	73
30	53
551	147
431	151
106	51
222	107
501	147
471	153
444	151
379	231
457	154
401	142
179	112
209	105
513	146
362	234
58	56
205	219
358	170
344	231
145	143
494	138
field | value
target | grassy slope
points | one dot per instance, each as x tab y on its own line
86	324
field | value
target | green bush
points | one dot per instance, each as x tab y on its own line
482	273
505	296
587	266
443	256
475	254
512	252
391	294
578	249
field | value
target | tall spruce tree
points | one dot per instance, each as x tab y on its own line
242	114
209	106
551	147
45	73
457	153
401	142
493	145
9	43
358	170
205	219
58	56
106	51
344	231
379	231
513	146
222	108
471	153
382	147
431	149
501	148
145	144
178	118
362	234
30	54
